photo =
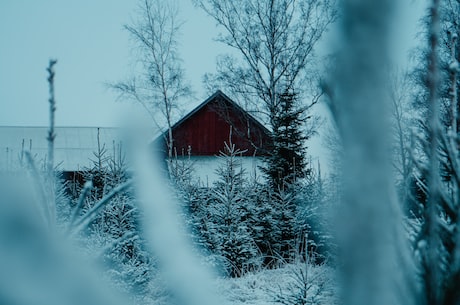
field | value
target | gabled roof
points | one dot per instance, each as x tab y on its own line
207	127
220	94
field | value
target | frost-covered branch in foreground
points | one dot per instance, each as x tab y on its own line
375	255
39	267
190	282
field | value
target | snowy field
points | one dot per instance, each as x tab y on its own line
281	286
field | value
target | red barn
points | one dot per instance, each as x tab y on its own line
205	129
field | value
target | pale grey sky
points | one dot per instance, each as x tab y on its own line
87	38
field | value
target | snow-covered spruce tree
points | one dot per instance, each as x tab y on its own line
98	171
194	198
228	222
283	216
293	212
275	42
181	170
261	220
312	219
113	234
198	213
287	160
271	216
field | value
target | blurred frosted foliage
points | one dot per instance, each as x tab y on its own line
189	281
40	264
37	265
375	259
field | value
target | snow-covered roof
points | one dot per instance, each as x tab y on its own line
74	146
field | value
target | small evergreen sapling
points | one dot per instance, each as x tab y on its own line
228	212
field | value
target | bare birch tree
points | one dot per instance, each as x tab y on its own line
275	42
402	121
275	38
161	86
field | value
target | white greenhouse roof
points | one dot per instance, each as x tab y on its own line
74	146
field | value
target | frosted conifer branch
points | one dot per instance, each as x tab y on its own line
84	193
130	236
451	158
91	214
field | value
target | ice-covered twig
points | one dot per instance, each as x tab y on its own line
52	102
130	236
51	136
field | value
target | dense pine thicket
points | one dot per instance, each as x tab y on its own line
114	234
241	224
246	224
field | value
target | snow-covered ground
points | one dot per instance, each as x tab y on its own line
284	285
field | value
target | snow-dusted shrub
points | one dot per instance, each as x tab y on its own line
283	211
313	203
284	285
281	218
249	221
305	284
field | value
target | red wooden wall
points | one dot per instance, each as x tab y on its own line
207	128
